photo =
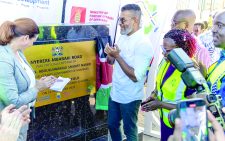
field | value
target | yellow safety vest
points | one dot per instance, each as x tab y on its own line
216	73
171	91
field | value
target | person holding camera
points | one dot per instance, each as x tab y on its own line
215	79
170	87
218	134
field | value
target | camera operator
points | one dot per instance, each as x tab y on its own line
218	134
170	87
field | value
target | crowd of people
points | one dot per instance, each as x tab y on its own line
131	57
127	90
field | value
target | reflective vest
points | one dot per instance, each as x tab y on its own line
216	73
171	91
53	33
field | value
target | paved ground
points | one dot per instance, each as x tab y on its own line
140	124
149	138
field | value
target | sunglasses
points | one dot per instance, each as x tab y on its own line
122	20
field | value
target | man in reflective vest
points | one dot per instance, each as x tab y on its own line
216	73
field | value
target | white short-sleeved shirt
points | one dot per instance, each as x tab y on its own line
137	52
206	39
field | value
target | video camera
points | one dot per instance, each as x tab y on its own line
194	79
190	75
215	107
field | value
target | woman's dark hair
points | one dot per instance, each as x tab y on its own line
183	39
20	27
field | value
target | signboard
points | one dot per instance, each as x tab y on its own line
42	11
74	60
93	12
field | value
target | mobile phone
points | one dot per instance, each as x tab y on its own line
143	103
194	120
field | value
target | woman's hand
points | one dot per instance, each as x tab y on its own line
177	131
218	134
45	82
9	114
152	105
12	120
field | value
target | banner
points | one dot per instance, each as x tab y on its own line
42	11
74	60
93	12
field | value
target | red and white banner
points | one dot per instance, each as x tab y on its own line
93	12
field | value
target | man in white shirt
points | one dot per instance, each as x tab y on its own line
131	58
